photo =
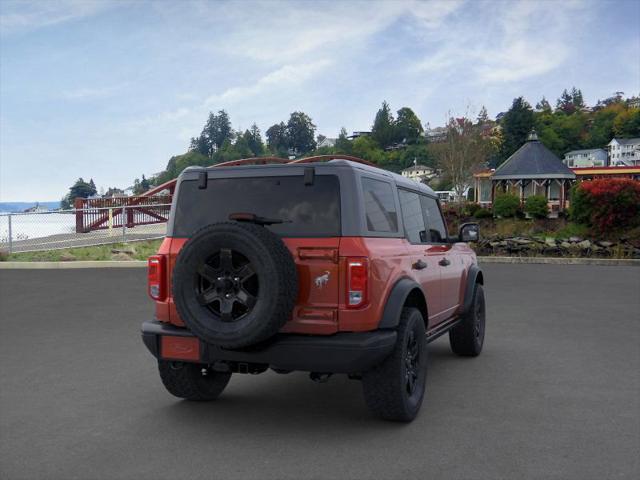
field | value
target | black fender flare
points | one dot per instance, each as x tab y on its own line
474	276
396	300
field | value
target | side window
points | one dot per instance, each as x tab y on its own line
380	206
435	223
412	217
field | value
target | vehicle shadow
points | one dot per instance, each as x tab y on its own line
292	404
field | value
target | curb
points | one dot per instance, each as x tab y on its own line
616	262
72	264
143	263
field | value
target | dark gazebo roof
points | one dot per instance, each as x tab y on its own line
532	160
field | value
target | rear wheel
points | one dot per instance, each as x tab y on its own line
192	381
466	338
394	390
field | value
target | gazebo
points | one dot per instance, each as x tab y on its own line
532	170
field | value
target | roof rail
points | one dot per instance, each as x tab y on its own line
251	161
171	184
326	158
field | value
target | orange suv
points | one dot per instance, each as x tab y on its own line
331	267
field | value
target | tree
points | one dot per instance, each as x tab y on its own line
536	206
253	140
483	116
216	131
343	144
382	130
543	106
408	126
463	151
565	103
277	139
627	124
517	123
80	189
301	133
576	99
367	148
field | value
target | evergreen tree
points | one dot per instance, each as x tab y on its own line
543	106
517	123
216	131
483	116
343	144
253	138
576	99
382	130
565	103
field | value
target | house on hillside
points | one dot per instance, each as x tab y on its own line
532	170
355	135
593	157
624	152
419	173
327	142
435	135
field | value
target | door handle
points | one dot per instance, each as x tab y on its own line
444	262
419	265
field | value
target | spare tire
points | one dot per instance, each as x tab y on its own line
234	284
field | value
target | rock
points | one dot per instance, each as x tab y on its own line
566	245
605	244
522	241
67	257
550	241
575	239
584	244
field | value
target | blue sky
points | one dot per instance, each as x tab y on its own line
111	90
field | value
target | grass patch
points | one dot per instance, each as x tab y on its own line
138	251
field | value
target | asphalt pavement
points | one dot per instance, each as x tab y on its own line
554	395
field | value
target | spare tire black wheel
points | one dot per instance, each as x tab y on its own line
234	284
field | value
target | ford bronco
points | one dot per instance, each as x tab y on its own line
326	267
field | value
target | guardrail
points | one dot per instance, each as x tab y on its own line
58	229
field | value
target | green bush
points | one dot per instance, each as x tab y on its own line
536	206
483	213
506	205
470	209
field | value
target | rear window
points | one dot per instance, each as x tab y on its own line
380	206
308	210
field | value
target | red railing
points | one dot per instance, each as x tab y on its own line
151	207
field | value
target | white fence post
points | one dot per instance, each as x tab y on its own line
124	223
10	234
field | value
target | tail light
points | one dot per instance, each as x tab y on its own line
156	277
357	282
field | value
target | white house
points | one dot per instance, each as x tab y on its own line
327	142
594	157
419	173
624	152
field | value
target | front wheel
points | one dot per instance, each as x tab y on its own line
466	338
394	389
192	381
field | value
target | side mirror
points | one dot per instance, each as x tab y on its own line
469	232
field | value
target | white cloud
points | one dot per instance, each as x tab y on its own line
285	77
21	16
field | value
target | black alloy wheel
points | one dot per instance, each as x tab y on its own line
228	285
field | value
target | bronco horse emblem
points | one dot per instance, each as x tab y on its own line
323	279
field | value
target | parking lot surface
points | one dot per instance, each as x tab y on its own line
555	394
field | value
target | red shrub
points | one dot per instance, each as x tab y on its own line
607	204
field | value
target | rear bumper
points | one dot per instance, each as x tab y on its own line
338	353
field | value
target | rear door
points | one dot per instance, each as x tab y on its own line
450	265
310	216
424	259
